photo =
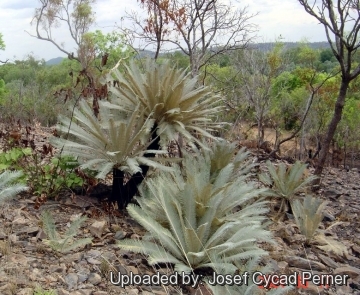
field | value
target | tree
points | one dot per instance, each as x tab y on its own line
341	22
78	17
202	29
257	71
2	46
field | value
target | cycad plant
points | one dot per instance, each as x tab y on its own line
286	182
113	142
308	215
172	98
8	186
197	220
150	107
66	242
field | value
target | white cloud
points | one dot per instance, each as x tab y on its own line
285	17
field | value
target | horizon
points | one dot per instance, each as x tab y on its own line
276	19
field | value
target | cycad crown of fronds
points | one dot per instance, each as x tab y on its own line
65	243
308	215
8	187
287	181
171	96
111	141
191	218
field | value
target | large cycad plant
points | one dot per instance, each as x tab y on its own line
198	219
148	107
112	142
172	98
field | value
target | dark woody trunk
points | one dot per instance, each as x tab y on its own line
123	193
339	105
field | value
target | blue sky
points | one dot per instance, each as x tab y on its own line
275	17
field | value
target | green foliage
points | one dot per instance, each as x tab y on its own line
42	178
50	178
30	87
191	216
12	158
286	182
111	44
170	97
308	215
8	186
66	242
40	291
2	43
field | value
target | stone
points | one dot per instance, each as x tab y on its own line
119	235
300	262
57	268
83	275
92	253
93	261
351	271
97	228
132	292
100	293
85	291
71	280
327	261
94	278
25	291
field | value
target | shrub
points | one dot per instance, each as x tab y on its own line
200	218
308	215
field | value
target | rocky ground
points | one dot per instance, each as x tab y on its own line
27	263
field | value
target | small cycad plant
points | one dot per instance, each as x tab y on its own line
286	182
8	186
66	242
308	215
199	218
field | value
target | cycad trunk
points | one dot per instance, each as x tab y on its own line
123	193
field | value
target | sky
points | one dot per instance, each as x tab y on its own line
275	18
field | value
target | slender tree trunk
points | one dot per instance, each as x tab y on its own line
123	193
332	128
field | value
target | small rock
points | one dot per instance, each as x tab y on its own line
327	261
41	235
351	271
119	235
50	279
57	268
343	290
71	257
332	193
62	291
85	291
100	293
19	259
26	291
71	280
132	292
109	256
93	261
299	262
97	228
282	265
92	253
94	278
356	248
328	217
83	275
13	238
